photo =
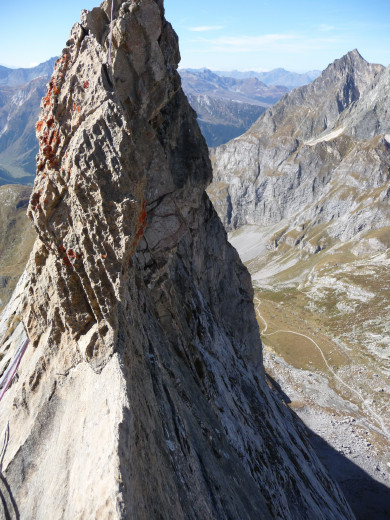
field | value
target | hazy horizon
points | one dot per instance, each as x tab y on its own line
220	35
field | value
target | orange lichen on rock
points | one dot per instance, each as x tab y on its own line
54	87
54	164
54	137
66	261
86	84
35	199
48	151
39	126
66	256
47	99
142	223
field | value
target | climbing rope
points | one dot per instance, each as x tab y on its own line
109	50
9	374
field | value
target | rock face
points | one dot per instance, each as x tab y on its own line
310	155
142	394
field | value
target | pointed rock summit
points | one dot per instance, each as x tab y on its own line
307	156
309	110
142	394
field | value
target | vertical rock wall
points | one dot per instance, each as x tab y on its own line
143	393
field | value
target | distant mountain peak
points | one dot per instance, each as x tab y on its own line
353	62
352	58
278	76
319	104
20	76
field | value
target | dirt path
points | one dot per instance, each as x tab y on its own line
378	419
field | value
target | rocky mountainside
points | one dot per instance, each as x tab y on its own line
313	145
305	193
221	120
142	394
248	90
19	109
226	107
274	77
22	76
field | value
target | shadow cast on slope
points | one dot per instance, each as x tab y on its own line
368	498
276	386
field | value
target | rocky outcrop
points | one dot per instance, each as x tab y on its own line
142	394
307	158
305	194
314	108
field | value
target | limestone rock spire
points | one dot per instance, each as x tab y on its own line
144	394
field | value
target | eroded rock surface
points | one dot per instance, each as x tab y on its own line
142	394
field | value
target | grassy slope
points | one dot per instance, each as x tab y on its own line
340	297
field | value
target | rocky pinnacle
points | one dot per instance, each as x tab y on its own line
143	394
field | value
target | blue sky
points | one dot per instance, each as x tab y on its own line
220	34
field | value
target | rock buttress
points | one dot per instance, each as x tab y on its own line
143	393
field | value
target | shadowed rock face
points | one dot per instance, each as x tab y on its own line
142	395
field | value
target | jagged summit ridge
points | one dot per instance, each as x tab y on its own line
143	394
309	110
310	145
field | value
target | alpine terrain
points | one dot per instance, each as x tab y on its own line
20	93
305	195
275	77
142	392
226	107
